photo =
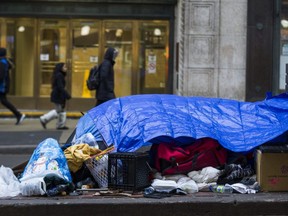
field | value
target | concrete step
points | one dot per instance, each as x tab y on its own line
202	203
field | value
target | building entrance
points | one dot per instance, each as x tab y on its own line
36	45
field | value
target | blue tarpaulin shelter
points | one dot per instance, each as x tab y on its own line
134	121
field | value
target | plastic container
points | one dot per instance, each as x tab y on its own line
221	189
128	171
99	170
149	190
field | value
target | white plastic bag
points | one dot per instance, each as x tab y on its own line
187	185
243	189
87	138
33	187
206	175
9	184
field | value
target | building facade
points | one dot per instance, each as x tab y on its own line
213	48
212	43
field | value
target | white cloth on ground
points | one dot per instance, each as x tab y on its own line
9	184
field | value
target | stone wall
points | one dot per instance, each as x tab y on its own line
212	48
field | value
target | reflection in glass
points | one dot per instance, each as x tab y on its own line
52	50
119	35
20	50
85	51
153	57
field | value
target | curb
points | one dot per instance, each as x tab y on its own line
195	204
37	114
17	149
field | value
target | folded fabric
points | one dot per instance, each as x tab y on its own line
77	154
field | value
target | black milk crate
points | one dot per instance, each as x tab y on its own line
128	171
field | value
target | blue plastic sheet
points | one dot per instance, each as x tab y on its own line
134	121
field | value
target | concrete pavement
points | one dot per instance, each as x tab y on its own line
32	125
18	142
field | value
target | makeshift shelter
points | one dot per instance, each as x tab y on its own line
134	121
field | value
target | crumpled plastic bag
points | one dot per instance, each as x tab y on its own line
188	185
243	189
205	186
206	175
87	138
47	158
9	184
33	187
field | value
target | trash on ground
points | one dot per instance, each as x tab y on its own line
158	146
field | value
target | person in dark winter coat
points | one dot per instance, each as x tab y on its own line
59	95
105	90
5	66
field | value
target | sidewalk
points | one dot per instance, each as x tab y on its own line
30	132
18	142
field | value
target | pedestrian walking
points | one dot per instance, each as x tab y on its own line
5	66
59	95
105	90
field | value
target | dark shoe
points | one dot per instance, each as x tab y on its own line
20	119
63	128
43	124
248	181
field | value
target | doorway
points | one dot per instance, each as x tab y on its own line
141	67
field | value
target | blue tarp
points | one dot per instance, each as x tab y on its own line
134	121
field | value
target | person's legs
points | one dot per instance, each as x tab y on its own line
19	116
60	125
62	121
44	119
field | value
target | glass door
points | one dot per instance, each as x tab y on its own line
119	35
141	66
153	56
20	45
18	37
85	54
53	45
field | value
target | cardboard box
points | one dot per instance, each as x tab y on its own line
272	170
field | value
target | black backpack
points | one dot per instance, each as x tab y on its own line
93	80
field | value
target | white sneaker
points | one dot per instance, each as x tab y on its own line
19	120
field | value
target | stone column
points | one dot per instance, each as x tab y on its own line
211	35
